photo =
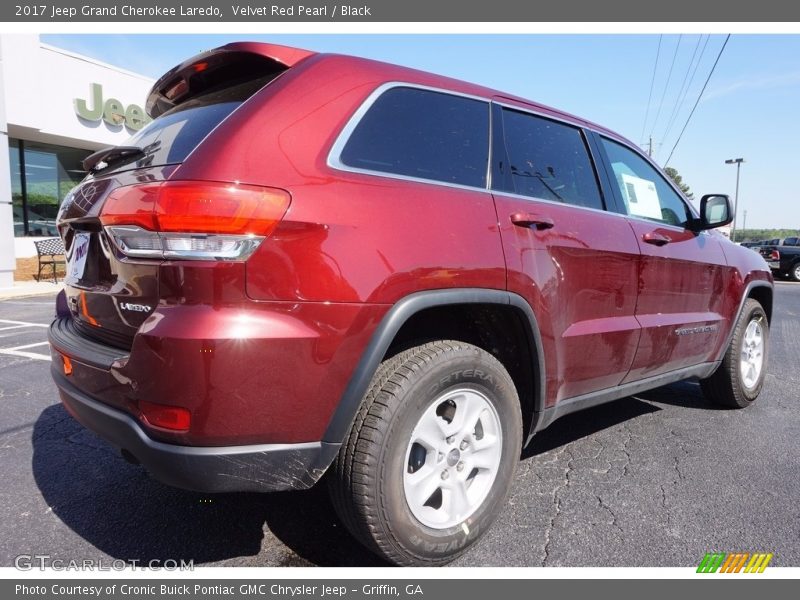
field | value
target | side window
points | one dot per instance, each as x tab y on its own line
643	189
548	160
424	134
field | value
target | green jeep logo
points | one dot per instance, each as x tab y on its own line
112	111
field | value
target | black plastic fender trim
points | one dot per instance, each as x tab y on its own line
745	295
342	419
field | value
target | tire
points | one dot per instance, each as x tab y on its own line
388	463
739	379
794	272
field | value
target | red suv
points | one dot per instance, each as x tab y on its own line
313	263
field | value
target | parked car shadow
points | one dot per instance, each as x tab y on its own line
685	394
585	423
119	509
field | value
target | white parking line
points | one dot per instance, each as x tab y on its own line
27	346
13	327
22	324
21	350
34	355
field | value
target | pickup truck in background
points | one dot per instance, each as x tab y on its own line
784	259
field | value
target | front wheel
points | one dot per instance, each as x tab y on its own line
739	379
430	457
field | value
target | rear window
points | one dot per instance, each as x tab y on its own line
423	134
171	137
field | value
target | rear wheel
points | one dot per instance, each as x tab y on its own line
739	379
431	454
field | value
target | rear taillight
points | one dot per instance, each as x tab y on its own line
191	220
775	255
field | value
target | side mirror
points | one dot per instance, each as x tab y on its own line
715	211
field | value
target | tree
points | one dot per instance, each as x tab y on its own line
675	176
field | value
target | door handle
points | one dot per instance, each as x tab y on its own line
532	221
655	238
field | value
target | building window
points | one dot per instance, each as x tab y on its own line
41	176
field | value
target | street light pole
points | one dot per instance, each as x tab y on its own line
738	162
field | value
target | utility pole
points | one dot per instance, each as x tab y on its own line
744	221
650	147
738	162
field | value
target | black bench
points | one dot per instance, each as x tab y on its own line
51	254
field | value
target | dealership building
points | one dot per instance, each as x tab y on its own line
56	108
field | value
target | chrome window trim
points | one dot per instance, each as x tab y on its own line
556	203
333	160
621	142
334	156
661	224
531	110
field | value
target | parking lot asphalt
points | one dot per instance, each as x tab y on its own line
653	480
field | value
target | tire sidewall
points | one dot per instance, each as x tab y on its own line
754	311
447	373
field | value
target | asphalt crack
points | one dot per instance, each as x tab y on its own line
625	451
614	520
556	504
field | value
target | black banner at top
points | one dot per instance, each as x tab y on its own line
441	11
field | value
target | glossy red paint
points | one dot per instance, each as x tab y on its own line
580	278
261	351
249	373
680	286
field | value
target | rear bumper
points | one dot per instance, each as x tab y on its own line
259	468
249	374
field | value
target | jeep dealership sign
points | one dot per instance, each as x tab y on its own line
112	111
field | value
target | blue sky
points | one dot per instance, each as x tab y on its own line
750	108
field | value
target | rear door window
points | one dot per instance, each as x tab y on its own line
548	160
422	134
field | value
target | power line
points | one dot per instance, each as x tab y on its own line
652	81
666	85
689	86
689	118
684	89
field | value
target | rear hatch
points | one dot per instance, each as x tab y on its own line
110	289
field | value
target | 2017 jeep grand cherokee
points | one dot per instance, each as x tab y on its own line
313	263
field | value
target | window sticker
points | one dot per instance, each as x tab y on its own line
641	197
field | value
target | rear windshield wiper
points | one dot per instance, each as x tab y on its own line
103	158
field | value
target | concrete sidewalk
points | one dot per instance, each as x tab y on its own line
25	289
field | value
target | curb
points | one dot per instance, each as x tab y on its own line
30	292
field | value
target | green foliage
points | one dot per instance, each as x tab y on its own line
675	176
755	235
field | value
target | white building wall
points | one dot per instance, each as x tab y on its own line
42	84
7	257
38	88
